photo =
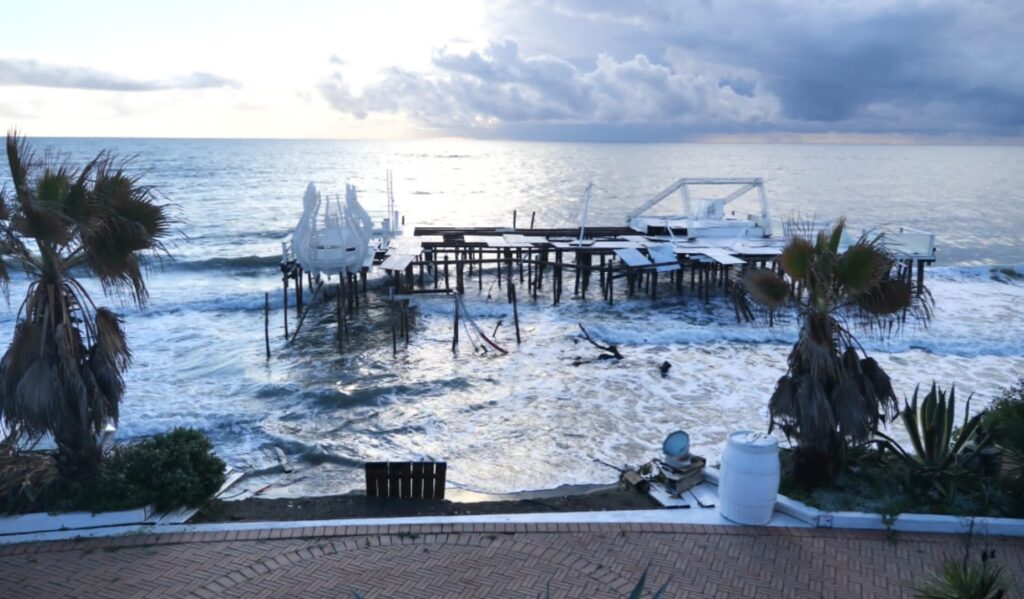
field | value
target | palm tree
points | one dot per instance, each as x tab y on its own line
832	394
62	374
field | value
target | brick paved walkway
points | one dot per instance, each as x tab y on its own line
492	560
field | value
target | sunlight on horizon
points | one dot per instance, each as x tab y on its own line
273	58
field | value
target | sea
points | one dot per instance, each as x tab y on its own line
539	416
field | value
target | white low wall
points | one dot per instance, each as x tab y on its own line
936	523
43	522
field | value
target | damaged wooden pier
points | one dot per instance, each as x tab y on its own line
615	260
702	250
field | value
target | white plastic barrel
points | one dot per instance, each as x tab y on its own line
749	480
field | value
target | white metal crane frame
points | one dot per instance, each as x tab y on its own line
743	186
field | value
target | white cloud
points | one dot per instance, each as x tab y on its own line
36	74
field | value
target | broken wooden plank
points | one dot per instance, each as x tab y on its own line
397	262
282	459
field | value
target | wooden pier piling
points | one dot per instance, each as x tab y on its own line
455	331
285	278
266	321
515	310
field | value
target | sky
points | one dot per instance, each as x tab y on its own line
894	71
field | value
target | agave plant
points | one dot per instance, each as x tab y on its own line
963	579
929	425
832	394
62	374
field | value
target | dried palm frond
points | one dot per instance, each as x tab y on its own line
24	477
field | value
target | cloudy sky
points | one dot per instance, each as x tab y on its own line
814	70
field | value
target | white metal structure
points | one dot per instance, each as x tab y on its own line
706	217
330	239
389	221
586	216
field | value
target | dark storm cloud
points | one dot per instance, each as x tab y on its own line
37	74
658	70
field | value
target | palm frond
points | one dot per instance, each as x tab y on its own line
796	258
111	343
19	157
817	421
766	288
861	267
836	237
881	385
854	419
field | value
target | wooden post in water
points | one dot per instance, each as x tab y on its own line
576	275
285	278
405	321
455	332
447	287
266	321
497	255
611	280
394	330
459	269
298	290
508	263
556	276
344	307
353	295
588	260
515	310
529	271
339	312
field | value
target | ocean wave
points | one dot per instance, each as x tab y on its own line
236	263
1000	273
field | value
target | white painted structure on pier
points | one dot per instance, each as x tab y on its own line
329	238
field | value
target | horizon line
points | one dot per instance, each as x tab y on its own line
837	139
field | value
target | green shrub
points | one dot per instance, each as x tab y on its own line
171	470
1005	422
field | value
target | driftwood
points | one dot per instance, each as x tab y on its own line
611	348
